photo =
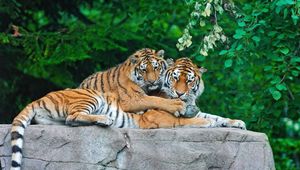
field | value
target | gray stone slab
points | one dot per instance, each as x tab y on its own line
92	147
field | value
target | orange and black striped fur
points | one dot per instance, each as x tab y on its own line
88	107
133	79
72	107
183	80
122	88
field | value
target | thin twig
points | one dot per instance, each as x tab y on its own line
216	18
283	78
297	49
290	93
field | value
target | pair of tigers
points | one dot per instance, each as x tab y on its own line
111	98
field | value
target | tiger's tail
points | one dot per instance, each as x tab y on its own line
20	122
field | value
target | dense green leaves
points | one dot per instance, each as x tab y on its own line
285	2
261	59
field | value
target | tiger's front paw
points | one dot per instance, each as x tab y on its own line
212	123
237	124
182	112
176	114
176	107
104	121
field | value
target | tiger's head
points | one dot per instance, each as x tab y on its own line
148	68
183	80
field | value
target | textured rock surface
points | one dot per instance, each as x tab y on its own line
62	147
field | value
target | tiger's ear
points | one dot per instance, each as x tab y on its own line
133	59
170	62
161	53
202	70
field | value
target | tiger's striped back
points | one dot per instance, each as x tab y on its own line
144	68
101	102
74	107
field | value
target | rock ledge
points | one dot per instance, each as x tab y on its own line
62	147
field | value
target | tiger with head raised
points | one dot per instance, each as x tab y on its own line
132	80
121	88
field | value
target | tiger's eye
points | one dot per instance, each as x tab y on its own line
175	76
155	65
143	67
189	80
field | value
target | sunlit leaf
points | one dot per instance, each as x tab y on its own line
284	50
281	87
276	95
228	63
222	52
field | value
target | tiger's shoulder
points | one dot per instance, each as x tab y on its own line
144	68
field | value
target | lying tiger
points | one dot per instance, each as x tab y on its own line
86	107
183	80
122	88
131	80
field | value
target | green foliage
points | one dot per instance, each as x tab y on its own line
251	50
259	69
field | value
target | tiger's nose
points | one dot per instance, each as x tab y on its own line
179	93
152	81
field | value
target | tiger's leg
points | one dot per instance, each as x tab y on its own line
160	119
82	118
47	121
142	103
223	122
42	117
197	122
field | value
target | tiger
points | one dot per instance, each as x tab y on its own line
183	80
78	107
133	79
128	82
